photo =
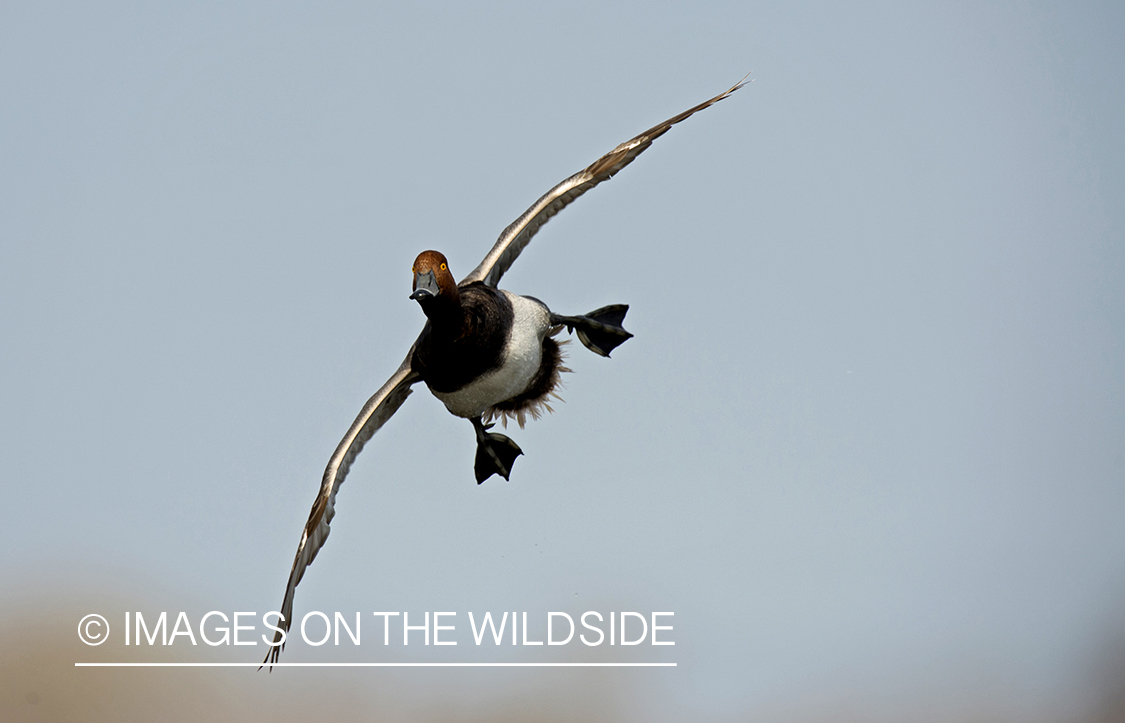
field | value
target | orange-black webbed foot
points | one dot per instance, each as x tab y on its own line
496	453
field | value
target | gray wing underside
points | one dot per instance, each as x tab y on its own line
514	238
374	414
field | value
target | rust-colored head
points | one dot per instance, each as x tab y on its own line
432	278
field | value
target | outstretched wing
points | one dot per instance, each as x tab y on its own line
514	238
378	410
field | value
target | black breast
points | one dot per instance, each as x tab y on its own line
448	357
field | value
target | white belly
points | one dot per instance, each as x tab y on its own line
523	354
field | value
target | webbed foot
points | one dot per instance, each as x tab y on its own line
495	453
600	331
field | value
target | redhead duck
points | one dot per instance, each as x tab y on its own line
486	353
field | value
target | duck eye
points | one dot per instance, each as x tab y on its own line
443	267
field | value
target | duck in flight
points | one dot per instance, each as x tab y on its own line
484	352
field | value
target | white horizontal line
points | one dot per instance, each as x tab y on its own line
375	665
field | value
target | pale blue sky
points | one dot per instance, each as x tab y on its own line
867	442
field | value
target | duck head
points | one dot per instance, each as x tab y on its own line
434	288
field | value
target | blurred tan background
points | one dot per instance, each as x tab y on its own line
38	682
